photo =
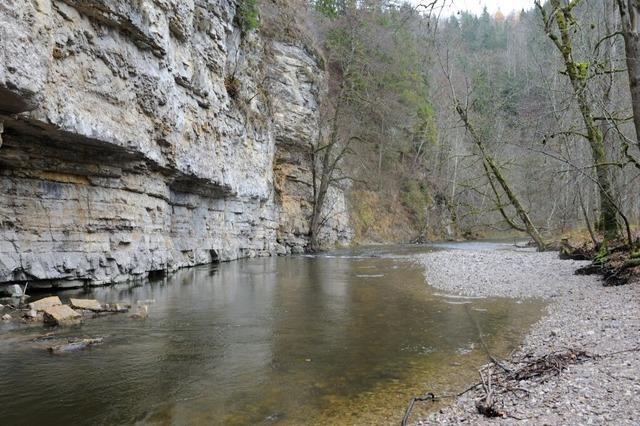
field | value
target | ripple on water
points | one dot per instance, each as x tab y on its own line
310	341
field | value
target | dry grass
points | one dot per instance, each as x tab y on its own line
378	218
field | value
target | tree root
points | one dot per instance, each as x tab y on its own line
567	251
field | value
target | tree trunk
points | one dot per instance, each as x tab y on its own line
326	174
320	196
578	75
629	13
495	170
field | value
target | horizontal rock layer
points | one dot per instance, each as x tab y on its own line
148	136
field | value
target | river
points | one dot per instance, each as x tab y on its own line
341	338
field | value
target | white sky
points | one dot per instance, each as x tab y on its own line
476	6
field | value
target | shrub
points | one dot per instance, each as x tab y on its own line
232	84
248	15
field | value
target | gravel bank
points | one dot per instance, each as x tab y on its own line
582	315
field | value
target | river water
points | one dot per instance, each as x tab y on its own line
344	338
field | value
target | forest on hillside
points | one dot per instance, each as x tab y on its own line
466	126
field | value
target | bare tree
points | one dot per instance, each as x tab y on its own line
630	18
578	74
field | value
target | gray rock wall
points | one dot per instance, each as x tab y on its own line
150	135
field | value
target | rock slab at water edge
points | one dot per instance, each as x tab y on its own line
61	315
88	304
47	302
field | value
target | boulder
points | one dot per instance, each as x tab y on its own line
6	317
15	291
47	302
87	304
61	315
32	314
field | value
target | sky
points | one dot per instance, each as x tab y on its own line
476	6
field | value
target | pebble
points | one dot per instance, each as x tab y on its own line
582	314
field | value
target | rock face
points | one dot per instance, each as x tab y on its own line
141	137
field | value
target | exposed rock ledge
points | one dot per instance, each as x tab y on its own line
122	152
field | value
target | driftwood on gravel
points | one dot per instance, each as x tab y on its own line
497	382
407	414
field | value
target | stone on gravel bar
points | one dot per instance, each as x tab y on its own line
61	315
582	315
47	302
6	317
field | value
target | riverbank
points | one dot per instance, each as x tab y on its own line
604	322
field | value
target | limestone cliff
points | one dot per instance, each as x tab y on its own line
147	135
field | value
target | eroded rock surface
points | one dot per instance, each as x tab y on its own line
124	152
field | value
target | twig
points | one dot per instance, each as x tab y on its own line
635	349
483	343
426	397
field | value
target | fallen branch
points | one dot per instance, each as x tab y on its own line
482	342
427	397
496	382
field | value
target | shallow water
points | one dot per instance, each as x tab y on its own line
337	339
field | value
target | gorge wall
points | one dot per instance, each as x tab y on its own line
141	136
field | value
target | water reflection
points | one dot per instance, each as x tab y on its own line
278	341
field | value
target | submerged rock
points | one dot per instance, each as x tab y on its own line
86	304
61	315
117	308
47	302
74	346
141	313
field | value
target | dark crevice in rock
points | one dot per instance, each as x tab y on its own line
12	102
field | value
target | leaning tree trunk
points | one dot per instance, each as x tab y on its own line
629	15
489	162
